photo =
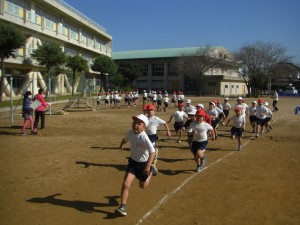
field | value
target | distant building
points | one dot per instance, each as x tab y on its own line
160	72
50	20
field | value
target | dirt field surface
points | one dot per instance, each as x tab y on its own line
71	173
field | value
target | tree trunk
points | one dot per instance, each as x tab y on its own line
2	79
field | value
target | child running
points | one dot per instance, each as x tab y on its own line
27	114
179	124
238	126
252	115
151	131
261	112
142	154
199	130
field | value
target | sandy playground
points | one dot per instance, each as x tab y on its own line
71	174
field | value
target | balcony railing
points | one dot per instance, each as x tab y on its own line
80	14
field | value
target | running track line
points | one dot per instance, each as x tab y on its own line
168	196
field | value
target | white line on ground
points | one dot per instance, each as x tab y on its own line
168	196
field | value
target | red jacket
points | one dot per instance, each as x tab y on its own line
44	104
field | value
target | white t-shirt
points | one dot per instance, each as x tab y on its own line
260	110
180	97
200	130
213	112
269	112
166	99
179	115
154	122
244	107
252	111
238	121
226	106
140	146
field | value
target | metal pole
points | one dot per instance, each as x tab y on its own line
11	102
50	96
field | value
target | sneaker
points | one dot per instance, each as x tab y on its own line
239	148
271	127
153	170
199	168
33	132
178	141
121	211
23	134
256	135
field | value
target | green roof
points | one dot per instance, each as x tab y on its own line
156	53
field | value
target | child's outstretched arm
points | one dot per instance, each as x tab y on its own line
168	130
170	119
123	142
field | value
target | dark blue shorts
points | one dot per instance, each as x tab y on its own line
178	125
214	122
226	112
158	102
137	169
260	122
252	119
153	138
238	132
198	146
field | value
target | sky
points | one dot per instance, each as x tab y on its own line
158	24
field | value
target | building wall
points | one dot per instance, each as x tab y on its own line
215	81
57	21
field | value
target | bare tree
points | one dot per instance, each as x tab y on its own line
256	61
195	65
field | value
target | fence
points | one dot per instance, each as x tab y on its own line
17	86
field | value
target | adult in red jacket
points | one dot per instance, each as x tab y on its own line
40	111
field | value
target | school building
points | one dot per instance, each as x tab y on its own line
161	72
42	21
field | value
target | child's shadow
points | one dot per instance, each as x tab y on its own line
83	206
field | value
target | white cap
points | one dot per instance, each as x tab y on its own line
188	101
266	103
143	118
226	99
192	111
201	105
214	104
254	102
239	98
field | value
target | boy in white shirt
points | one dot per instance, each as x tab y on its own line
269	115
166	102
261	113
142	154
238	126
199	130
151	131
179	124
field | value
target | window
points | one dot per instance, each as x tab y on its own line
237	86
211	84
172	70
226	86
144	69
74	32
70	51
157	69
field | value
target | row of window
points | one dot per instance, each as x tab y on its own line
44	18
158	69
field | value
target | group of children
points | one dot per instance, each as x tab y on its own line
200	125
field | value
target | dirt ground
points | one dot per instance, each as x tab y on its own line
71	173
